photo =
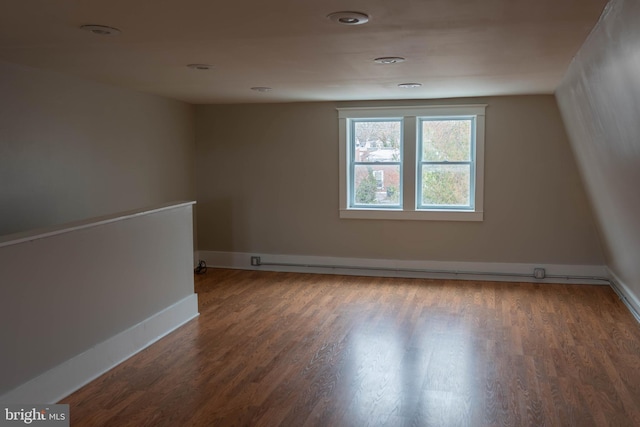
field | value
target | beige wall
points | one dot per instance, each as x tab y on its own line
268	183
71	149
66	292
600	102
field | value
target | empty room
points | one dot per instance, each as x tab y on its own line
336	213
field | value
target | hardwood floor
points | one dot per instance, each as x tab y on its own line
289	349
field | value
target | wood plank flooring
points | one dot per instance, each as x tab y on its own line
286	349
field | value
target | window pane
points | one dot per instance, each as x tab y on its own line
376	185
446	140
377	141
446	185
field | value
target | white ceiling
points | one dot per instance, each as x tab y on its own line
453	47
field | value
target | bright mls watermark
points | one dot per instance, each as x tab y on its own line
36	415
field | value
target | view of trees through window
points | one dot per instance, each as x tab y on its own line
377	162
446	162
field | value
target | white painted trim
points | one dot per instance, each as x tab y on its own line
410	215
479	165
343	160
415	110
626	295
69	376
28	236
398	268
409	155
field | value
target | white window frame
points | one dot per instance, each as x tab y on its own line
409	209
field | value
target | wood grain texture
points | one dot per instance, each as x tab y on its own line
291	349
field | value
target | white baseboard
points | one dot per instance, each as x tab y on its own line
625	294
399	268
64	379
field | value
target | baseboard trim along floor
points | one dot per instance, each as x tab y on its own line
64	379
520	272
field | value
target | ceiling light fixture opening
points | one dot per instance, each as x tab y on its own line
409	85
200	66
349	18
389	60
261	89
101	30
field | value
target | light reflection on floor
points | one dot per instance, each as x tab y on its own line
429	374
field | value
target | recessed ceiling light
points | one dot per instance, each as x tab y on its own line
101	30
349	18
389	60
261	89
200	66
409	85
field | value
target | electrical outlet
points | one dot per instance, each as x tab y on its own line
255	260
539	273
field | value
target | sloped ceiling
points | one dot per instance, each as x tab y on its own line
453	47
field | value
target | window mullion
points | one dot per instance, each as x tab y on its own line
377	163
409	163
446	163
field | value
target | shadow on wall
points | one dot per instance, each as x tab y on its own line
23	212
215	223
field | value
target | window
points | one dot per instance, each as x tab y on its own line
412	162
445	164
375	151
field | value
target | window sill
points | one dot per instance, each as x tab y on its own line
432	215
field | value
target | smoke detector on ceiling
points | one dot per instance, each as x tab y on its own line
349	18
201	67
409	85
101	30
389	60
